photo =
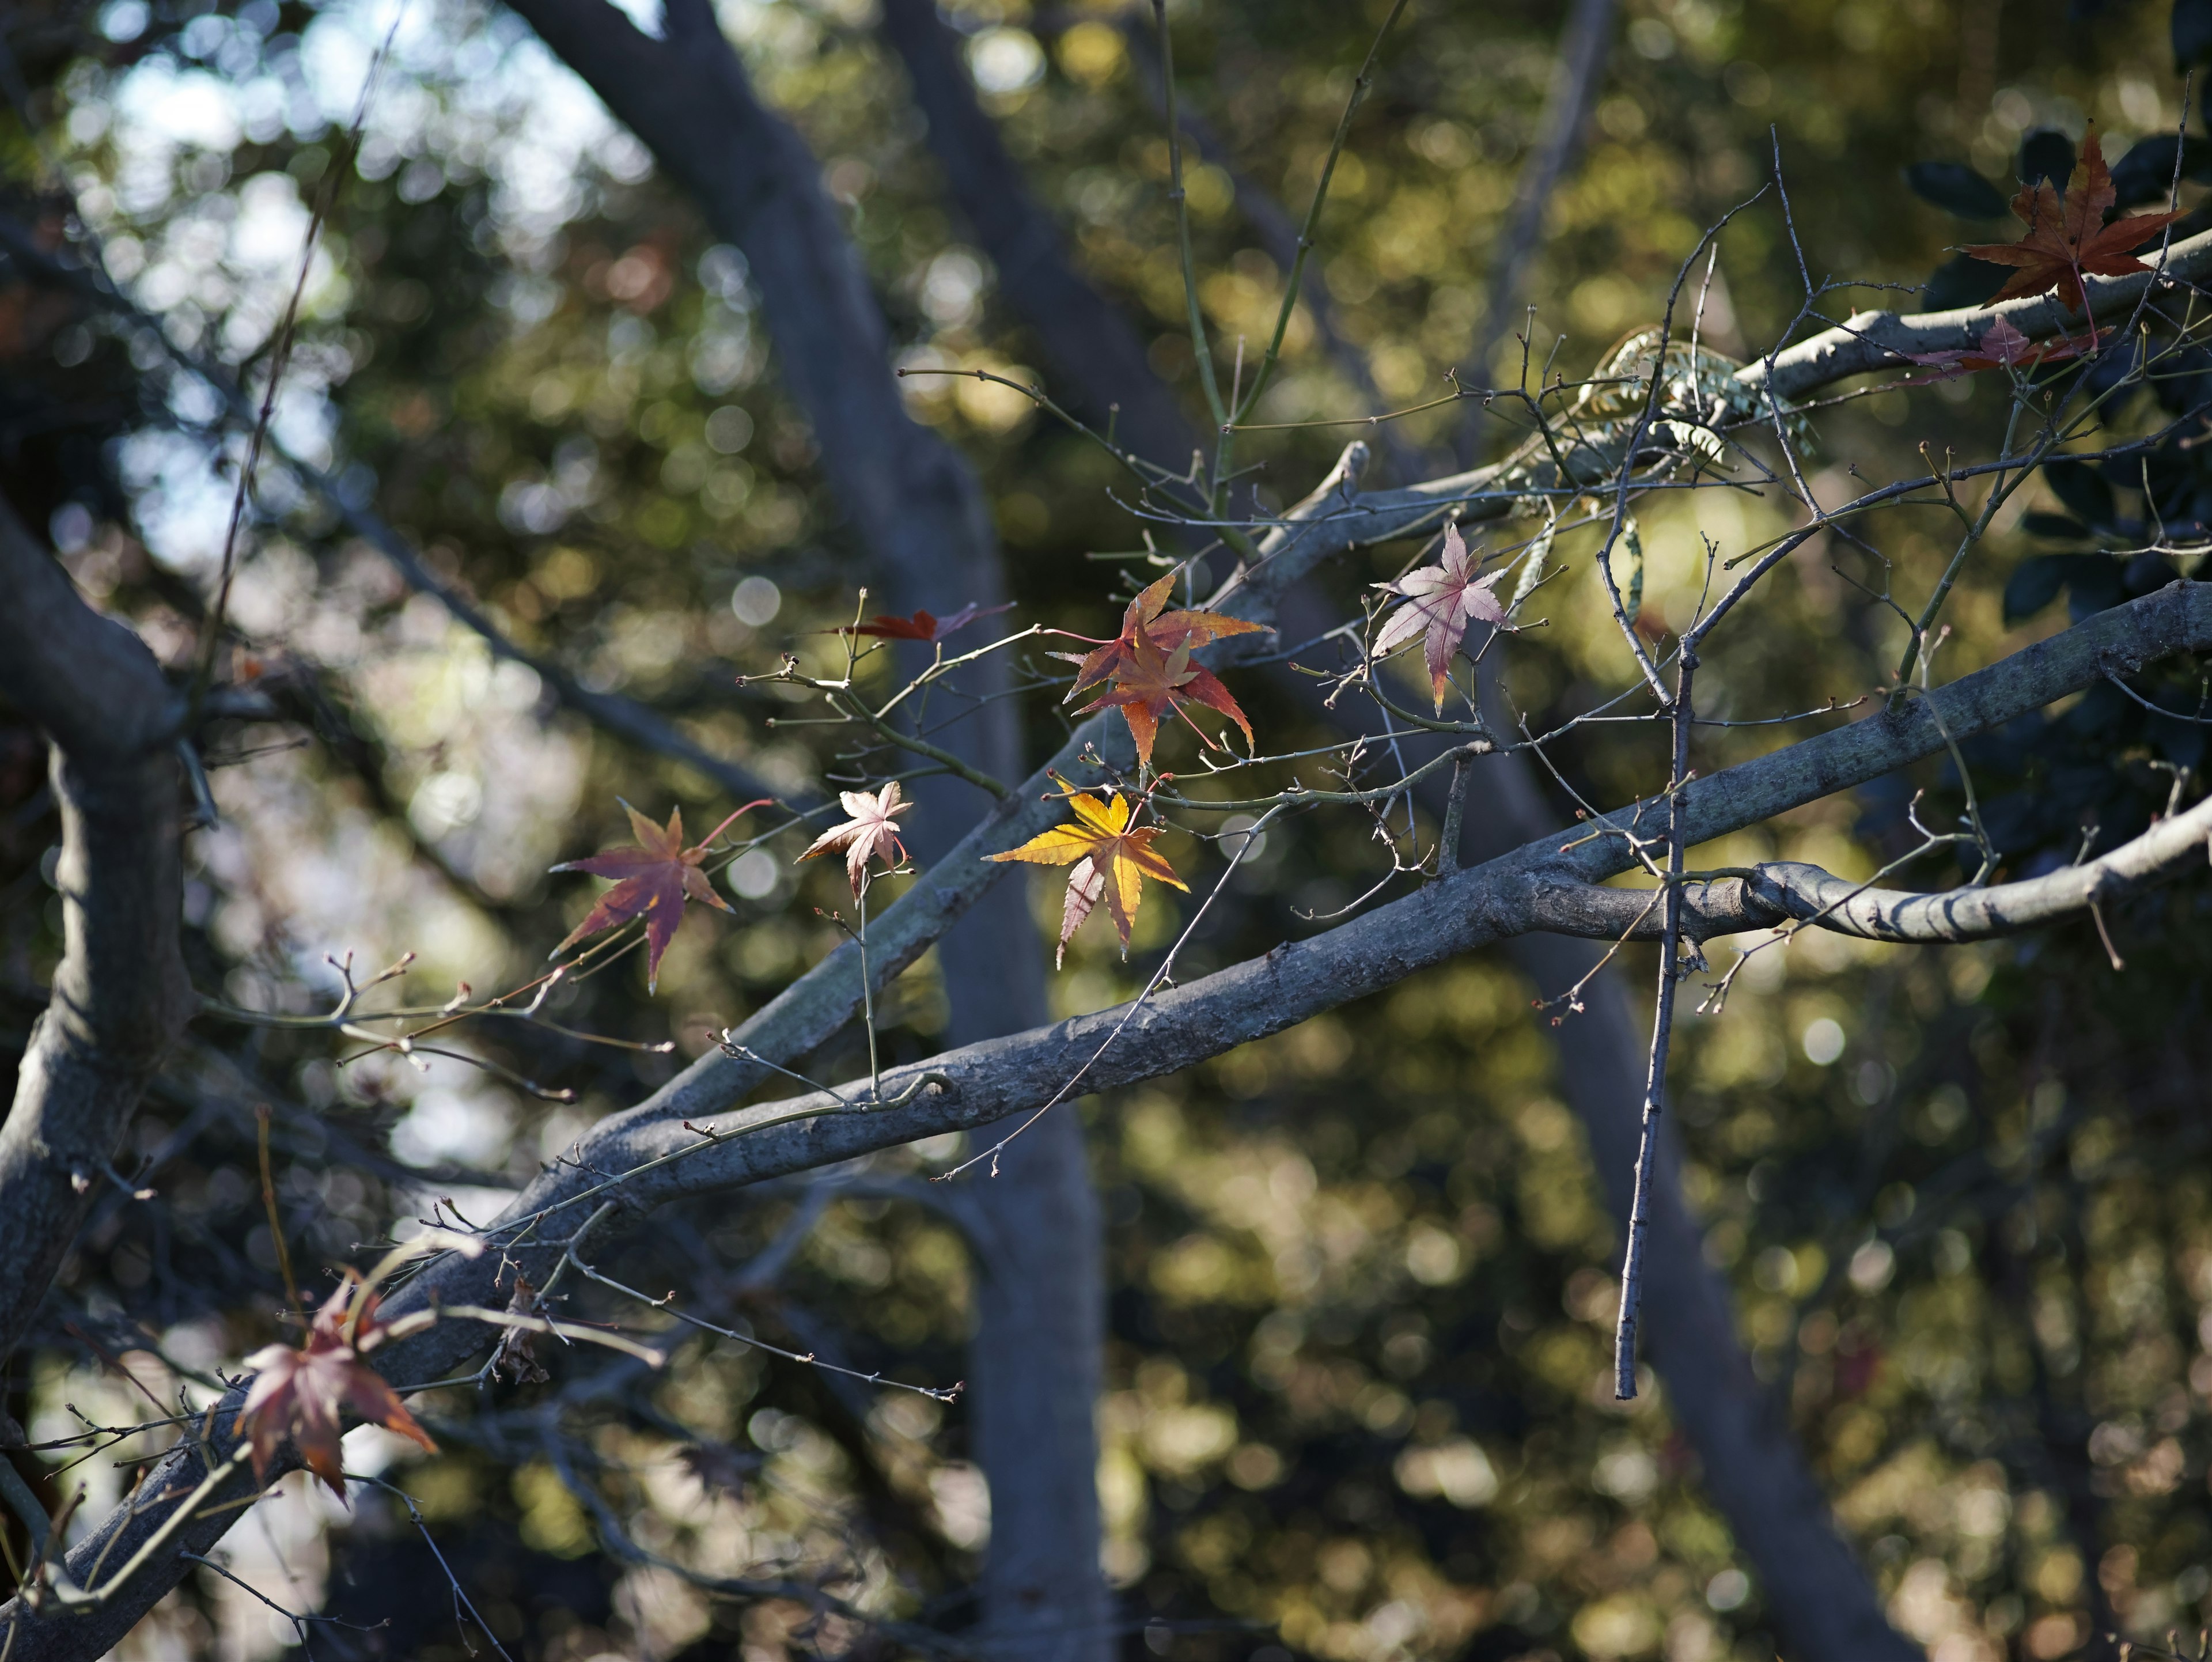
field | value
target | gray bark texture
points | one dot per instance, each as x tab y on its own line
120	997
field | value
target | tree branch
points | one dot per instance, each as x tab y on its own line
121	997
1779	893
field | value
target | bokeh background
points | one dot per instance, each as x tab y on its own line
1361	1274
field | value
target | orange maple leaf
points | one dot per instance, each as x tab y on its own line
656	878
1156	682
2067	237
1111	857
306	1393
1147	618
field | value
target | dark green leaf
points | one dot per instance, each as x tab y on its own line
2192	34
2145	173
2083	489
2045	154
1957	189
2035	583
1961	282
2056	527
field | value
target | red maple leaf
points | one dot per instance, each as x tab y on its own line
306	1394
2067	237
2004	347
655	878
1441	598
923	626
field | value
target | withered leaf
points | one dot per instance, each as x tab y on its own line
1441	599
2067	237
922	625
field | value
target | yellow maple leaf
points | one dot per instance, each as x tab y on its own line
1111	857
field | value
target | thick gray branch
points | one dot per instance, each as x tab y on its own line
1883	340
1782	891
120	996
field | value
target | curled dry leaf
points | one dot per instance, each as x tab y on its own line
1149	669
2067	237
922	625
515	1356
654	879
873	832
1111	859
1441	599
307	1392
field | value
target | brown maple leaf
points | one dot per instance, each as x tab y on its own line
872	832
1441	598
2004	347
923	626
1147	619
2067	237
1111	858
306	1393
655	878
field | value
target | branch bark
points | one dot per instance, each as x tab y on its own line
121	997
1782	891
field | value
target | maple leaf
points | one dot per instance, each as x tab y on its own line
1147	619
923	626
1149	665
1441	600
1156	682
2067	237
2004	347
1111	858
655	878
305	1393
872	832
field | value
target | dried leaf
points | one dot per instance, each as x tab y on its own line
655	878
2067	237
306	1393
872	832
2004	347
922	626
1110	857
515	1357
1441	599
